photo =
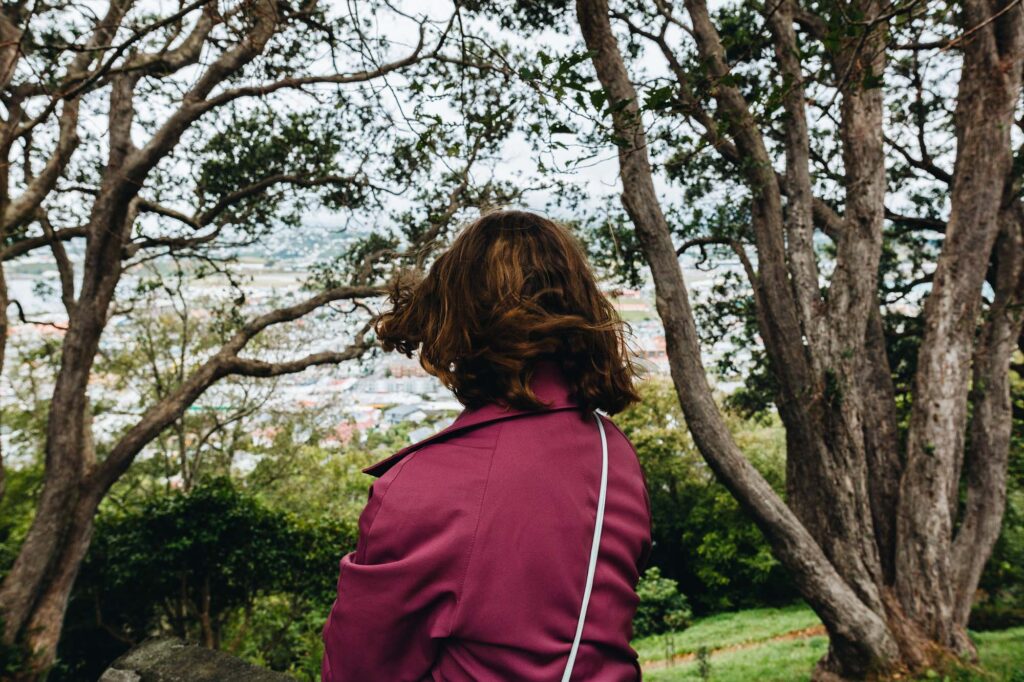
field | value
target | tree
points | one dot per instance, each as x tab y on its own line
885	529
187	563
185	135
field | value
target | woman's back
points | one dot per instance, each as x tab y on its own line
475	545
474	548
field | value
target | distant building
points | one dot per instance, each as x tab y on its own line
341	434
442	408
405	367
404	413
416	435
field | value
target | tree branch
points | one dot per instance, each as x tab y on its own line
799	219
734	244
64	267
23	246
300	81
223	363
22	208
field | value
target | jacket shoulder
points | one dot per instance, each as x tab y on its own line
435	489
460	452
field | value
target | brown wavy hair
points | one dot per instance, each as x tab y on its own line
513	288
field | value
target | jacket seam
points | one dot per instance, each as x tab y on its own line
443	436
383	498
476	528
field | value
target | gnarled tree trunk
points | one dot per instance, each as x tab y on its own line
870	542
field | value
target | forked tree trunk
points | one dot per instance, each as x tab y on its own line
870	546
856	631
990	85
34	593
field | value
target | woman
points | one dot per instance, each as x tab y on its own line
475	547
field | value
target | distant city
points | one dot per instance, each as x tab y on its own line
349	400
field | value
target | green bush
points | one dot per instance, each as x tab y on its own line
662	607
996	616
215	566
702	539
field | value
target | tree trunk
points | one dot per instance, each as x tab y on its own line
47	617
881	442
859	636
50	536
992	417
990	85
34	593
867	541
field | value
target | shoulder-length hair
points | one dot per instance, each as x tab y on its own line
513	288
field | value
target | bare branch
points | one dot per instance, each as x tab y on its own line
22	208
23	246
734	244
145	206
223	363
64	267
260	368
301	81
232	198
799	218
247	332
925	164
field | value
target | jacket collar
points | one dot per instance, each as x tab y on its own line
548	383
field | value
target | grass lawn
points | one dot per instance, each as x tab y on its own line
729	629
1002	653
782	645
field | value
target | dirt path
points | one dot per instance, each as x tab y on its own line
661	664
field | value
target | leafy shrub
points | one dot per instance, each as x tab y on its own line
702	538
996	616
12	660
662	607
201	566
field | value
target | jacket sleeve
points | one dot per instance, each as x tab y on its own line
398	590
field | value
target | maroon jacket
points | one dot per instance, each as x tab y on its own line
473	551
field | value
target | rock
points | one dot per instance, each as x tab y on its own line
168	659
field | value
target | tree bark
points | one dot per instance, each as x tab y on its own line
858	633
881	442
869	544
992	416
990	84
